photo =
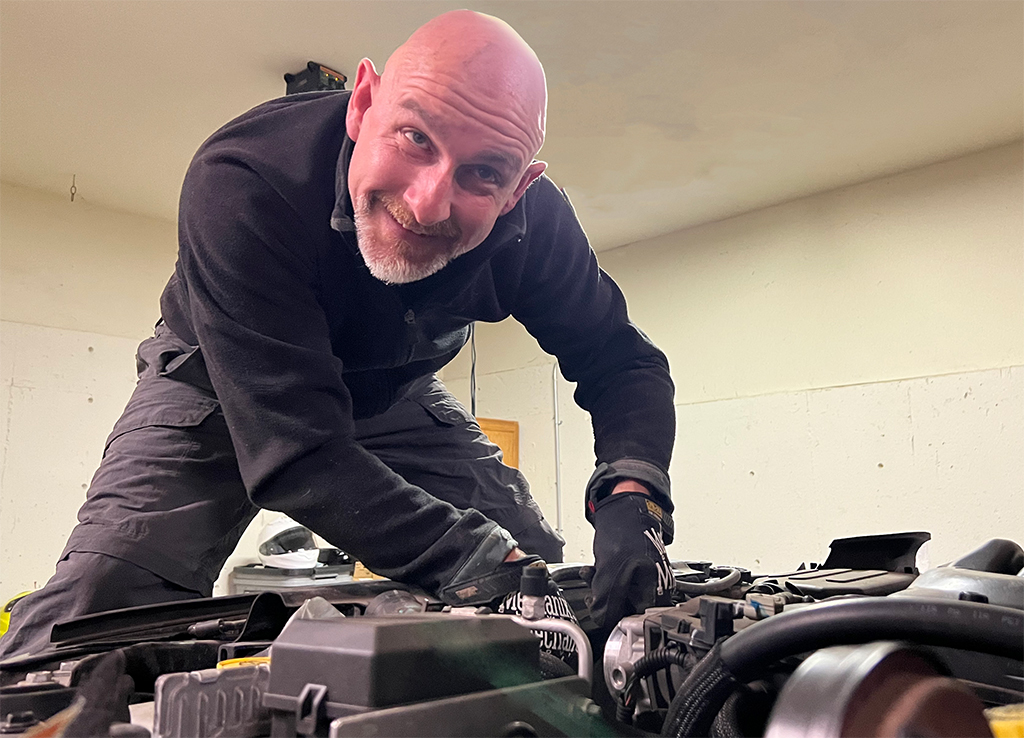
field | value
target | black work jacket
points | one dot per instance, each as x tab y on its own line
296	338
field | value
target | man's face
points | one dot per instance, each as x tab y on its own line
436	161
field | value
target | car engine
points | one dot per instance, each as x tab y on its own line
861	644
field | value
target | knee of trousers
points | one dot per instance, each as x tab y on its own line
85	583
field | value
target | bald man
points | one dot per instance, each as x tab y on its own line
334	249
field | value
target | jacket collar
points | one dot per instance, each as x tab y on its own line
342	215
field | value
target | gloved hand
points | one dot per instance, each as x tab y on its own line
631	567
491	571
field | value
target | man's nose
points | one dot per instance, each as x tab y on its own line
429	197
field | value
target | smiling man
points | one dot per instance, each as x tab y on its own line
334	248
445	144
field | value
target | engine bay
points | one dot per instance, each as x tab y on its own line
860	644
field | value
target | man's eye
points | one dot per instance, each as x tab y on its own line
417	139
487	174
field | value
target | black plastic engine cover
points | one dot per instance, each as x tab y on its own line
370	662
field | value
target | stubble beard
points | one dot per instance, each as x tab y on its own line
393	260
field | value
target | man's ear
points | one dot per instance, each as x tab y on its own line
532	172
367	81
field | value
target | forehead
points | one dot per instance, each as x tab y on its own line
440	125
468	117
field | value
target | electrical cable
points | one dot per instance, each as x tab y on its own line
655	661
558	449
472	369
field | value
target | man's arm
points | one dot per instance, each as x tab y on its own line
578	313
248	265
630	485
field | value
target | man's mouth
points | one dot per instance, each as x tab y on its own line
396	248
447	229
415	231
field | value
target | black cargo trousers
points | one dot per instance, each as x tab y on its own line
167	505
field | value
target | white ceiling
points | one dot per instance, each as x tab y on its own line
661	115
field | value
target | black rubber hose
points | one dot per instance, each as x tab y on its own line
709	587
971	626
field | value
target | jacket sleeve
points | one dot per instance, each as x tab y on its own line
248	263
577	313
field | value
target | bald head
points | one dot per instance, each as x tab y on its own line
482	56
445	141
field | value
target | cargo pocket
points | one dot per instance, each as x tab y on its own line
188	367
160	412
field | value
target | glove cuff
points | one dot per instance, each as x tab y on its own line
646	504
486	575
606	476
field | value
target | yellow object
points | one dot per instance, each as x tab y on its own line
5	615
360	572
244	661
1006	721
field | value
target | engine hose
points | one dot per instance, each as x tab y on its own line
710	587
727	723
709	684
971	626
647	665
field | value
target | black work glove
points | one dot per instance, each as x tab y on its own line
483	587
485	576
631	568
105	692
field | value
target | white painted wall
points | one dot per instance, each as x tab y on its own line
810	342
78	266
79	288
61	392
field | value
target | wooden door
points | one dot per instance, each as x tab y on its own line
505	435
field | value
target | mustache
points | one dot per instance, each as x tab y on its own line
397	210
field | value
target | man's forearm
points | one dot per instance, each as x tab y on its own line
630	485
